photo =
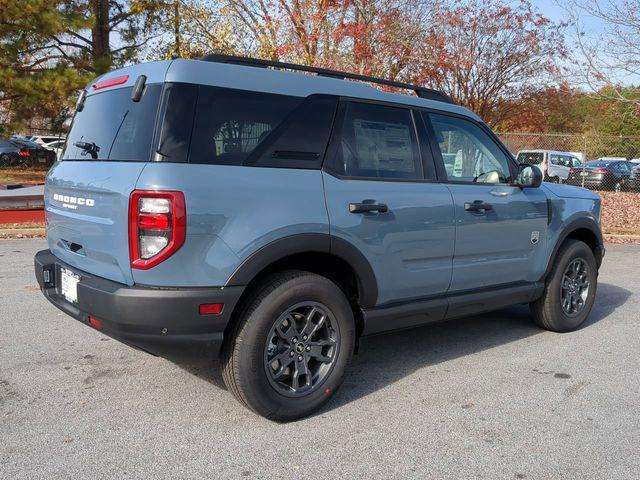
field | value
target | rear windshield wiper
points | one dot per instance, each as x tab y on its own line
88	148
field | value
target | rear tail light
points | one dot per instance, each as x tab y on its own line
157	226
600	170
573	170
23	153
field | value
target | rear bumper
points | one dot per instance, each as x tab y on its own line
161	321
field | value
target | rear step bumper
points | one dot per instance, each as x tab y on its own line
161	321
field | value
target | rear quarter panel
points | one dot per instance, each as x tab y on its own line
232	212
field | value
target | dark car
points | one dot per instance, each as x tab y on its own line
24	153
634	181
602	175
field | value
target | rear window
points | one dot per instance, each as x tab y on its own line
121	129
531	158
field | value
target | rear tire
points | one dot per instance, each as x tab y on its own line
289	350
570	289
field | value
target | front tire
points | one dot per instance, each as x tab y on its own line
291	346
570	289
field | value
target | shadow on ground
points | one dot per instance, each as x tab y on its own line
387	358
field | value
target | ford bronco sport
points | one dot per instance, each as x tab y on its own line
240	209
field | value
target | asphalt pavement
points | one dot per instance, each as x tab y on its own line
490	396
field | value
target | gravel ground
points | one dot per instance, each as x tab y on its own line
485	397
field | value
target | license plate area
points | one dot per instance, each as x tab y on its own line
69	285
584	174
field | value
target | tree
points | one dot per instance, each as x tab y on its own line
606	61
486	54
49	49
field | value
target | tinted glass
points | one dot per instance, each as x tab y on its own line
469	154
121	128
301	140
230	124
531	158
178	107
377	142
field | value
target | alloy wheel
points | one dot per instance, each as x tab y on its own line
301	349
575	287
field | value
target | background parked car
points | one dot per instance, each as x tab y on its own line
555	166
634	181
12	153
602	174
57	147
24	153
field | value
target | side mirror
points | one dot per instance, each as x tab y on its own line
529	176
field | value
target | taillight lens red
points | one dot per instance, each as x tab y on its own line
157	226
23	153
599	170
573	170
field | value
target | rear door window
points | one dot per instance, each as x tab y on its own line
377	141
121	129
230	124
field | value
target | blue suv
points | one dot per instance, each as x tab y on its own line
242	209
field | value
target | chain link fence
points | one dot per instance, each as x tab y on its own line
603	163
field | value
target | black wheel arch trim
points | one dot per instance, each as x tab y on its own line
311	243
578	224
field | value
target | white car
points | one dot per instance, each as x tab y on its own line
555	165
44	140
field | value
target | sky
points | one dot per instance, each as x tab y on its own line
593	27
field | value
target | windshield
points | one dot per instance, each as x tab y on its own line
115	127
531	158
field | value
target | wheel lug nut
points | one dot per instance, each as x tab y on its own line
295	340
304	337
299	358
291	354
308	349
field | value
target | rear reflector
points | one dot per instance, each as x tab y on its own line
95	323
211	308
110	82
23	153
600	170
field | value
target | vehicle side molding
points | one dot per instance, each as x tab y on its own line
282	248
424	312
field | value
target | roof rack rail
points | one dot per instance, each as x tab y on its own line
421	92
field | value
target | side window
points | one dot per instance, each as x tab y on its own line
377	142
230	124
575	162
301	140
623	167
556	159
468	153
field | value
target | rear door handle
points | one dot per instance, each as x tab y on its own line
477	206
368	207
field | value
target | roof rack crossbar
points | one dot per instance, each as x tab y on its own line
422	92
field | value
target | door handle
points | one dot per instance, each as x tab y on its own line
478	206
368	207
